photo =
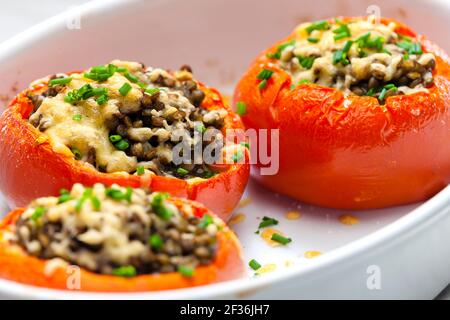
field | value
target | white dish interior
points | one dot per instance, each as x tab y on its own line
219	39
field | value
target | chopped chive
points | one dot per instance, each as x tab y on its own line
38	212
342	31
280	239
410	47
86	92
347	46
245	144
155	241
319	25
59	81
406	56
371	92
115	138
208	174
303	81
264	74
96	204
241	108
102	99
64	198
152	91
125	271
158	206
122	145
125	88
262	84
182	171
87	193
238	155
131	77
186	271
115	194
77	117
200	128
140	170
267	222
63	191
387	51
206	221
280	48
76	153
313	40
306	62
128	194
254	264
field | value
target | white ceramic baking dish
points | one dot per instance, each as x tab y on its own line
397	252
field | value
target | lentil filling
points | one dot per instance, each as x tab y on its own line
118	231
126	117
361	56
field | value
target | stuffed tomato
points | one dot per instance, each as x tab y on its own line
117	239
122	123
362	108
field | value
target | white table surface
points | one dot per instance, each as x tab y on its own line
20	15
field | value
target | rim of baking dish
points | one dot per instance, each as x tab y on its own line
418	219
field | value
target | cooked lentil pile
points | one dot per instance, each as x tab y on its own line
126	117
360	57
118	231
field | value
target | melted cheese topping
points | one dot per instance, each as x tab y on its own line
91	131
363	63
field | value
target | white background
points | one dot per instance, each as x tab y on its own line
19	15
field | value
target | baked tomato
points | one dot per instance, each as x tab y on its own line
119	123
362	108
116	239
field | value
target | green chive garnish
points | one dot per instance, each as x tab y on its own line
151	91
60	81
254	264
115	138
342	32
125	271
64	198
304	81
158	206
245	144
87	193
96	204
76	153
101	73
125	89
237	156
77	117
186	271
267	222
319	25
200	128
280	48
262	84
208	174
38	212
206	221
102	99
241	108
140	170
122	145
313	40
306	62
182	171
280	239
264	74
155	241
